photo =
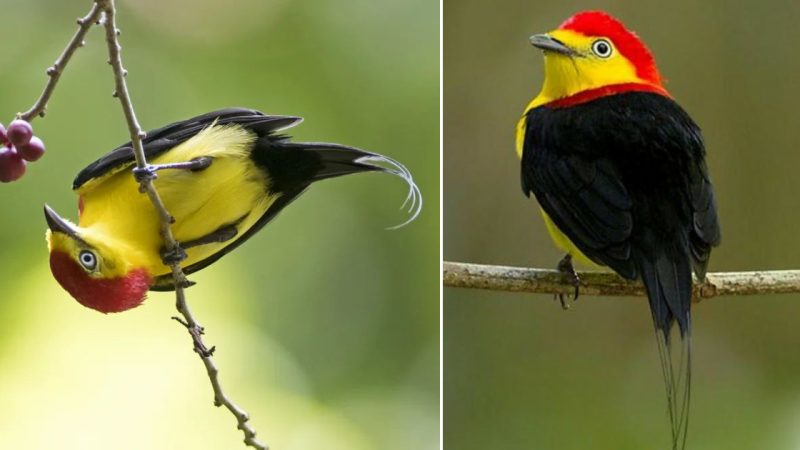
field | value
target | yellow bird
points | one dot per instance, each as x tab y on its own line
225	175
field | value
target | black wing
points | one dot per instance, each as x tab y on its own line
162	139
619	173
705	224
587	201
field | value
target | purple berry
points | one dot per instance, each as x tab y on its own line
3	136
19	132
31	151
12	166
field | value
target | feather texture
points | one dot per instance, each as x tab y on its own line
254	173
623	177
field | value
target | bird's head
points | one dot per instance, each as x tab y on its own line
93	268
593	50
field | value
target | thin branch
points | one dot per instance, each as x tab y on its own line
543	281
173	251
55	71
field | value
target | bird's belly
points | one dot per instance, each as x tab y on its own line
203	202
242	223
229	192
564	243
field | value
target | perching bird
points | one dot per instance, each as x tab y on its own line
241	174
618	169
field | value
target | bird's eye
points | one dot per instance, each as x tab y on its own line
88	260
601	48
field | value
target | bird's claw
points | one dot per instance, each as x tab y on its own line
566	268
144	174
562	299
173	256
149	173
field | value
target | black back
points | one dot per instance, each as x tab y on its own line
624	177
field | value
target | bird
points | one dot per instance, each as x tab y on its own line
226	174
618	169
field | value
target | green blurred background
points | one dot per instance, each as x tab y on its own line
326	324
522	373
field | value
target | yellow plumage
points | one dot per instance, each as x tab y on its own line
229	190
559	238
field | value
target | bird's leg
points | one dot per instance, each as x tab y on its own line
195	164
566	268
149	172
144	174
173	256
221	234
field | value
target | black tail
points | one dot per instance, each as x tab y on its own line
292	166
668	282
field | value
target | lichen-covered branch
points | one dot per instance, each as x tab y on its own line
544	281
55	71
145	176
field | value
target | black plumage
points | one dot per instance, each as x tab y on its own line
624	178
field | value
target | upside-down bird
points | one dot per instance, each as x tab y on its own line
232	173
618	168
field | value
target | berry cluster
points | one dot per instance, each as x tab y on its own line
17	145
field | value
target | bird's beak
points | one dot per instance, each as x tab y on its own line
551	44
57	224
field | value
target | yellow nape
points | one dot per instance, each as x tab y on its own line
122	224
565	244
565	75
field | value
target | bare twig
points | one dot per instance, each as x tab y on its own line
543	281
173	250
54	71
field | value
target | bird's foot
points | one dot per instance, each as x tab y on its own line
566	268
144	174
173	256
148	172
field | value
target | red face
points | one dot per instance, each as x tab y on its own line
104	295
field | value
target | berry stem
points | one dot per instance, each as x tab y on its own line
55	71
